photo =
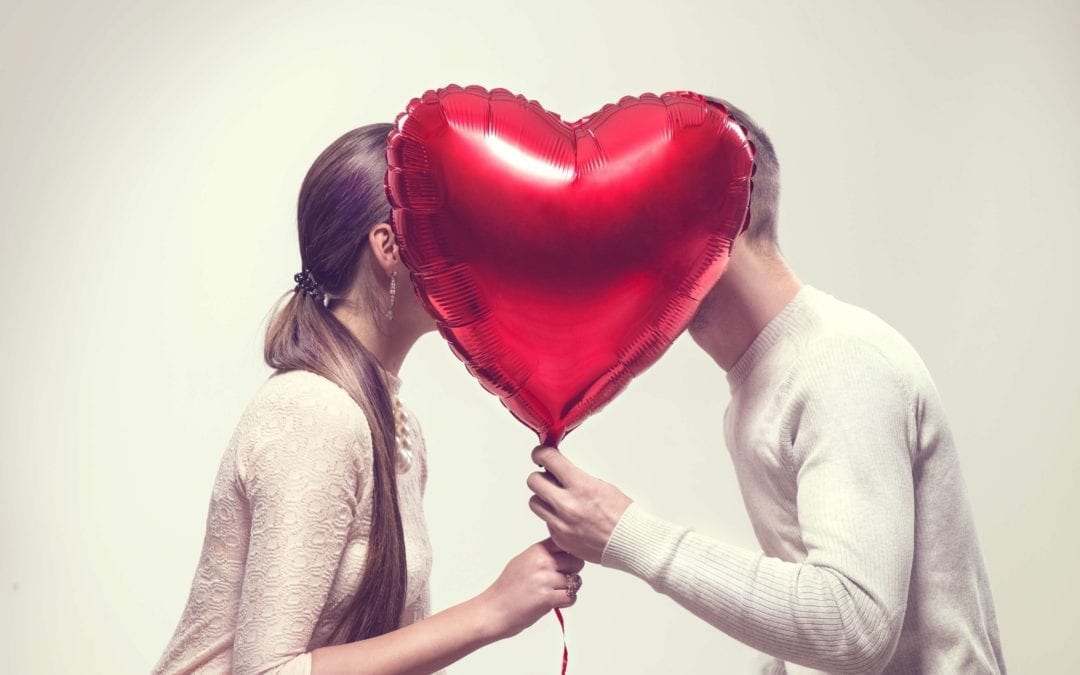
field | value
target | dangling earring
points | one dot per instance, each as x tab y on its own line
393	294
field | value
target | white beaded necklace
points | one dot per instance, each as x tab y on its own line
402	437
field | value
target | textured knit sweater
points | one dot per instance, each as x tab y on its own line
849	473
287	531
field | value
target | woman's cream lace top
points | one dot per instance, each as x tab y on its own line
286	534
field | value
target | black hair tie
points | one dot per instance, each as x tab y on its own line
305	283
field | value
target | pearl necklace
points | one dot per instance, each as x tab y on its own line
403	438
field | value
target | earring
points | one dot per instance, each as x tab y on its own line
393	294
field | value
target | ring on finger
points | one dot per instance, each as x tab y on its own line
573	584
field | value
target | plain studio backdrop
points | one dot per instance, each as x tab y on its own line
152	155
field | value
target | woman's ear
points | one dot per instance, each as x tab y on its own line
384	246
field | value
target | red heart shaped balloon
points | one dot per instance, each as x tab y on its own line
561	260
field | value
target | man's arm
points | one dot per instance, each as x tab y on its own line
842	608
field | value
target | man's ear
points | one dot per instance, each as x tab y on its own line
384	246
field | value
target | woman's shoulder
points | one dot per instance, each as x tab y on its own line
303	409
301	393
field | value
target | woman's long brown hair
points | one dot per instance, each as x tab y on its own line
341	199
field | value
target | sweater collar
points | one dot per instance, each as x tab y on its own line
393	381
794	316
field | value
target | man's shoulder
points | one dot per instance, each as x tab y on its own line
841	324
850	337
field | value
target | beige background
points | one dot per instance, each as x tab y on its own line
151	157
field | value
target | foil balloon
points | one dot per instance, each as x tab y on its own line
558	259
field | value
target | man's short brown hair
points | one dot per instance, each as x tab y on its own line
765	198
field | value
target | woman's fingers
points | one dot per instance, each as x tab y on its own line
562	588
566	593
561	580
562	599
561	560
567	563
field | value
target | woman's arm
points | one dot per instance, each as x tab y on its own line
301	478
532	584
301	474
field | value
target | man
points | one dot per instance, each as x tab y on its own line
848	470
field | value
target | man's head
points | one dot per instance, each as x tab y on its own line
757	282
765	199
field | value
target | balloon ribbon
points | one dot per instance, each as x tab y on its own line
565	653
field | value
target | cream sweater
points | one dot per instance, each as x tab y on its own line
849	473
286	534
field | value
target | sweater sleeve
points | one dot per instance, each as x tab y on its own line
846	430
301	478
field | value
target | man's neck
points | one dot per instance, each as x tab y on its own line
754	289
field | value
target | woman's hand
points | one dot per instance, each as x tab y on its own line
532	584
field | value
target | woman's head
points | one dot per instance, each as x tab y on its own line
341	201
350	260
345	238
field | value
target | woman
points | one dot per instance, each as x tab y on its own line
316	557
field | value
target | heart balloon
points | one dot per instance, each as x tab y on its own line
560	260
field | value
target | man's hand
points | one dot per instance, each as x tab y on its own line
580	511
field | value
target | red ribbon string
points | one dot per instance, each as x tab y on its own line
565	653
